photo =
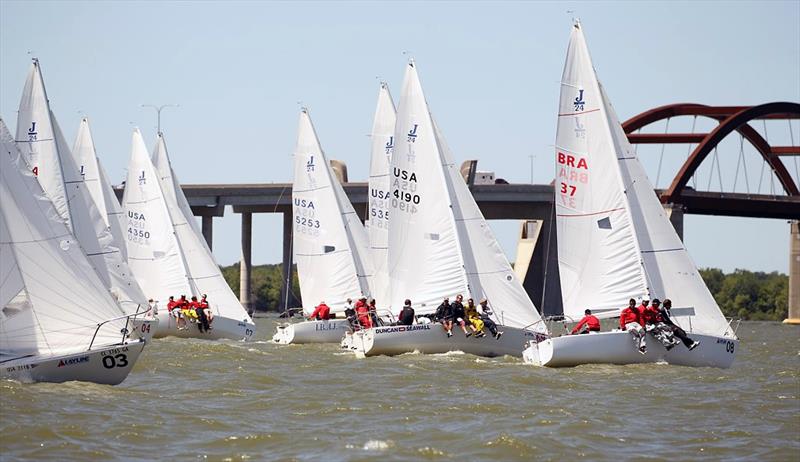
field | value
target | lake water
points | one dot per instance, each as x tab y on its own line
198	400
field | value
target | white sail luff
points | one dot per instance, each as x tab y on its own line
382	141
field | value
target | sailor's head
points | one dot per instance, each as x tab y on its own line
194	298
667	303
447	299
150	301
172	298
632	303
205	296
372	302
459	297
470	302
322	302
183	297
656	302
484	302
645	301
363	299
407	302
349	300
587	311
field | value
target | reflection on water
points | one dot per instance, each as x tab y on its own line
190	400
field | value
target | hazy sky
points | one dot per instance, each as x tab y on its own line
490	71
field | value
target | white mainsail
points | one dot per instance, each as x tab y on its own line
98	184
614	238
439	243
50	159
329	241
382	138
52	299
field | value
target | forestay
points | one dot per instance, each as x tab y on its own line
382	138
439	242
50	159
52	299
614	238
329	243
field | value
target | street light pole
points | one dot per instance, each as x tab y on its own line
158	111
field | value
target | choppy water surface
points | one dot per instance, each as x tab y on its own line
196	400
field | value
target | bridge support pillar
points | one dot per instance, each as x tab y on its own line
537	265
794	273
286	269
675	215
208	230
245	264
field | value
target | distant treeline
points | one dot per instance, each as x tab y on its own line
749	295
741	294
266	286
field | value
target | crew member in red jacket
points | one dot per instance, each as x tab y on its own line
203	314
630	320
174	308
321	313
362	311
590	321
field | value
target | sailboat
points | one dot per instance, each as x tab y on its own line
441	246
329	243
167	255
40	140
615	241
58	320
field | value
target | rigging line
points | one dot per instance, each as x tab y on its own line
738	161
689	152
661	158
711	172
719	169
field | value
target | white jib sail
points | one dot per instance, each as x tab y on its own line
170	184
382	139
439	243
42	143
614	239
98	185
329	242
52	299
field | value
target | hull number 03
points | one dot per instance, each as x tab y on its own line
110	362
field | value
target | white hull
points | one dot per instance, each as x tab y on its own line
617	347
144	328
432	339
221	328
330	331
108	365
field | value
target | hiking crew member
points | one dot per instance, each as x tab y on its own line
590	321
657	327
664	314
406	316
362	311
203	314
486	314
152	308
321	313
190	310
474	318
350	314
629	320
459	315
373	313
444	314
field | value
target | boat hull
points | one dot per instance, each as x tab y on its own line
330	331
617	347
432	339
109	365
221	328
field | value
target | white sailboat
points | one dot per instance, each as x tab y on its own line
329	243
58	320
167	255
614	239
42	143
377	223
440	246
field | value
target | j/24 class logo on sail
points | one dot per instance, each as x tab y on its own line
579	102
404	188
137	228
